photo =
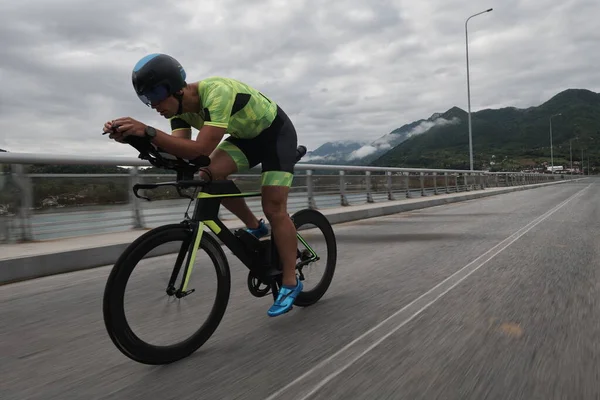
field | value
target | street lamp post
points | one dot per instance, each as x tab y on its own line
551	151
571	153
469	87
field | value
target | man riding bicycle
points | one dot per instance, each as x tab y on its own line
260	132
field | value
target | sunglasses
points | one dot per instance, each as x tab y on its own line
154	95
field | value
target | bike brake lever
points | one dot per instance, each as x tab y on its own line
142	186
141	197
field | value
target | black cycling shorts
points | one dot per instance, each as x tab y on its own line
275	147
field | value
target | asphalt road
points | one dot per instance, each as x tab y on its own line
497	298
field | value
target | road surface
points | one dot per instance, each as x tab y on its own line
495	298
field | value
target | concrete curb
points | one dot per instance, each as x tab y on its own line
36	266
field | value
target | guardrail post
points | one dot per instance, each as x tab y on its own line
389	185
310	190
422	179
24	184
407	184
138	219
368	182
456	175
446	182
467	189
343	199
435	189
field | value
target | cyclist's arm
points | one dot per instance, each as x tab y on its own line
207	140
180	128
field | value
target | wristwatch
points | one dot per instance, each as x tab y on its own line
150	132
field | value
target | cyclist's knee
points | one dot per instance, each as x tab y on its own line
275	208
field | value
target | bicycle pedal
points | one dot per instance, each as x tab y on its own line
179	294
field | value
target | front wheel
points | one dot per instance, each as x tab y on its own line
120	324
317	249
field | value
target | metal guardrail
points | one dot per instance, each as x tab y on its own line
39	206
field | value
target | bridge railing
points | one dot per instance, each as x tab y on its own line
48	206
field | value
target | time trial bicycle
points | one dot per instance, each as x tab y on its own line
259	256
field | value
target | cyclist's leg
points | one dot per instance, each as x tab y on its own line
225	160
278	158
274	202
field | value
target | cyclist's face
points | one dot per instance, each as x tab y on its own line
167	107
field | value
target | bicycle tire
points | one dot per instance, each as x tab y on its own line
309	216
113	308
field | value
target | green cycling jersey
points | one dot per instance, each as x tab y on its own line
227	103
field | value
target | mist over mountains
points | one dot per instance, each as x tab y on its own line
361	152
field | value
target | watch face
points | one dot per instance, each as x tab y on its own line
150	131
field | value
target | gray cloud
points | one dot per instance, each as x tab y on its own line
342	70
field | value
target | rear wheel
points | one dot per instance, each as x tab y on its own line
119	325
315	238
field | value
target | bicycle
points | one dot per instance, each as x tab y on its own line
259	256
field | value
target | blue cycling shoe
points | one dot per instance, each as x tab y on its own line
259	232
285	299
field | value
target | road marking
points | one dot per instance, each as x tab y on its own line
322	373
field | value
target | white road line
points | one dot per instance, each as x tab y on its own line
306	391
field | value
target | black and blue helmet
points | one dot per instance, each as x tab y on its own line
157	76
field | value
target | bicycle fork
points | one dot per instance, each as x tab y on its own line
191	245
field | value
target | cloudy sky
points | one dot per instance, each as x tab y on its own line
341	69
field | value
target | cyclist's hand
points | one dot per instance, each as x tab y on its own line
111	127
129	126
108	127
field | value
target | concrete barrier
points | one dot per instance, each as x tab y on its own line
97	255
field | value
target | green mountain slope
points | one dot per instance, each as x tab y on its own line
508	138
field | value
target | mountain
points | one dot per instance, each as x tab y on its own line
362	153
332	152
376	149
507	138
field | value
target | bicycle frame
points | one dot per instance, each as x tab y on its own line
254	256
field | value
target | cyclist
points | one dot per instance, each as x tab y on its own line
259	132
